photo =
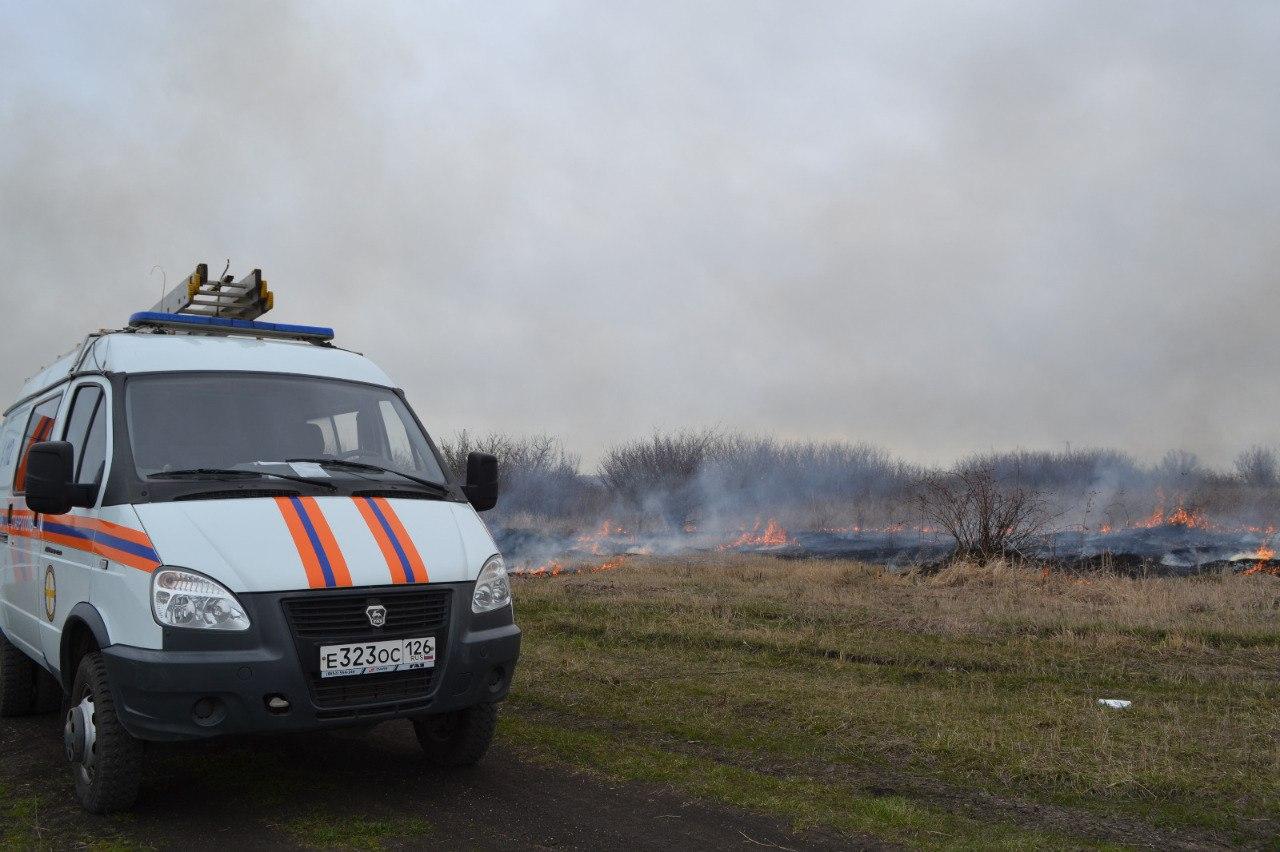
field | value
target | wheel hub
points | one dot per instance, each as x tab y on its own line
79	735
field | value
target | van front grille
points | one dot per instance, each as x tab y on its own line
330	618
341	617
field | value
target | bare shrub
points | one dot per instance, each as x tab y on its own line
719	478
723	480
1067	471
1179	466
988	517
659	473
537	475
825	482
1256	467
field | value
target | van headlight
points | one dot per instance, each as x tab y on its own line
182	598
493	589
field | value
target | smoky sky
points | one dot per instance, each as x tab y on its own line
937	227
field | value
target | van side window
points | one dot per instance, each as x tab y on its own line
10	443
39	428
83	404
87	432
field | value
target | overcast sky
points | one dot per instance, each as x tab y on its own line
938	227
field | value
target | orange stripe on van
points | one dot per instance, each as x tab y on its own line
406	543
126	533
118	543
384	543
131	560
341	576
310	562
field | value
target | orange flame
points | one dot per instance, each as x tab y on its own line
594	541
1179	517
555	568
773	535
1264	556
1262	568
547	569
607	565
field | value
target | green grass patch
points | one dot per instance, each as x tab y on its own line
22	826
327	831
20	818
807	803
963	694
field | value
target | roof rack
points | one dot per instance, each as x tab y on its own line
246	299
225	306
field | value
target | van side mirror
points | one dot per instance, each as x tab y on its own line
481	487
49	485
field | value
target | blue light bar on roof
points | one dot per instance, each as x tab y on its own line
214	324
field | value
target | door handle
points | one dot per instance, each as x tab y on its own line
55	551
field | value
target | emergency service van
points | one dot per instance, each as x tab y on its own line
217	525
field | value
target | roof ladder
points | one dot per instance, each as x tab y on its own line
225	306
246	299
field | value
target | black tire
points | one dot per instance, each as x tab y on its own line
18	679
48	692
459	738
111	782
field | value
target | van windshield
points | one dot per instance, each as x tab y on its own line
224	421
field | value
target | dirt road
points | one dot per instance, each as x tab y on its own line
365	789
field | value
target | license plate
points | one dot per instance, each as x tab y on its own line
375	657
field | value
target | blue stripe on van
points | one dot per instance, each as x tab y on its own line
325	567
98	537
395	542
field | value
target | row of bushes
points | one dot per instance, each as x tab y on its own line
713	478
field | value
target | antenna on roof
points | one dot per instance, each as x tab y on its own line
246	299
164	277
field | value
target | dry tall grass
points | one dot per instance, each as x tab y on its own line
950	688
967	598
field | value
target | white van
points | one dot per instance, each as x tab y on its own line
217	526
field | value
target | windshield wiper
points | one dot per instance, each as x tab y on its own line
215	472
442	490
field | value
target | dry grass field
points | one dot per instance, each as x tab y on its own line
953	710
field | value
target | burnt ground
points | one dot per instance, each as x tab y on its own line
358	789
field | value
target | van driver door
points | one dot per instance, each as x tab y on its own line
23	591
69	559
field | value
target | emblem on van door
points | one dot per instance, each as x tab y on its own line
50	593
377	614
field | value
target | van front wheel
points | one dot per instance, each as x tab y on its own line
459	738
105	760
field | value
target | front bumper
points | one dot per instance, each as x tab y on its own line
208	685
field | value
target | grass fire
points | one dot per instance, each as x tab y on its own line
928	657
687	493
